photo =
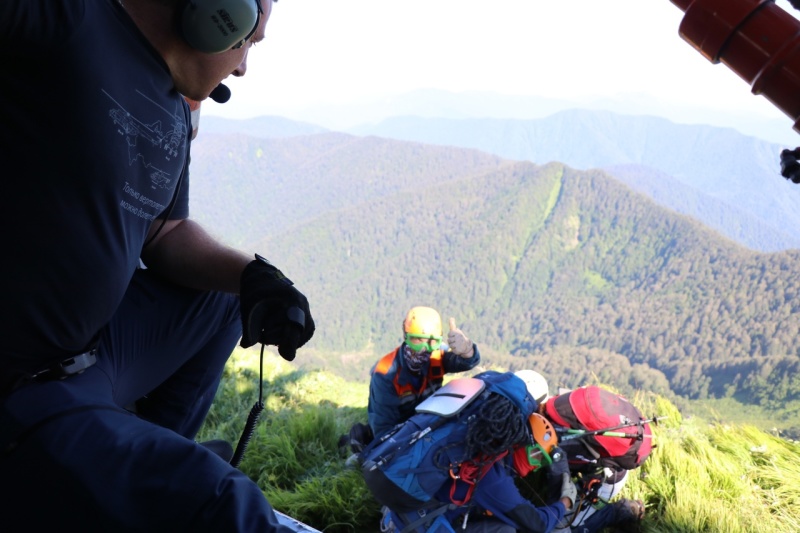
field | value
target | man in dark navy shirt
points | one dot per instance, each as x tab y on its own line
95	136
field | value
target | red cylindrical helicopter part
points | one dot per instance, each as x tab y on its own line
756	39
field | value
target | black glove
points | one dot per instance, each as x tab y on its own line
274	312
560	464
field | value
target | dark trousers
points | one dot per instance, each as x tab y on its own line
73	458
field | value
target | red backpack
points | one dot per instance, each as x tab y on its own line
624	439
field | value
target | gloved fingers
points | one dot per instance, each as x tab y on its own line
274	322
308	331
285	336
466	351
269	299
568	489
297	332
454	332
252	324
458	342
291	340
272	334
451	338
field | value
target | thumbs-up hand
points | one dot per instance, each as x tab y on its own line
459	343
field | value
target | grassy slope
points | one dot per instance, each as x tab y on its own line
701	477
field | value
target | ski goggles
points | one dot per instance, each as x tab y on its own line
423	344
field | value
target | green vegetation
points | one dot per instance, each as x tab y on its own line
701	477
779	422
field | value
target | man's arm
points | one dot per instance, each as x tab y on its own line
274	312
184	253
498	493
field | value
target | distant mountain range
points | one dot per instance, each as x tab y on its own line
435	103
726	180
565	270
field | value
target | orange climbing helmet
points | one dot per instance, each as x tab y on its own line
421	326
529	458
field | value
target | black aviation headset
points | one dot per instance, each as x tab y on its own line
214	26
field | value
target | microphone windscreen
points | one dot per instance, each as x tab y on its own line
220	94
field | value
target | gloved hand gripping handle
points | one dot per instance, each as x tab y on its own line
274	312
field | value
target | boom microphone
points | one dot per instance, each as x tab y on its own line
220	94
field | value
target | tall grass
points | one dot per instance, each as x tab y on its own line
700	477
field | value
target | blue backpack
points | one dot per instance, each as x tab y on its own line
406	467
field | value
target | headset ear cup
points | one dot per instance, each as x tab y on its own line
214	26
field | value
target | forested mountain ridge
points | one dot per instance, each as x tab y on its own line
277	183
570	272
739	224
736	172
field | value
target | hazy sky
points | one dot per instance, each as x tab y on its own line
339	52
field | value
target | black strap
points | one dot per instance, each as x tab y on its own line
427	518
16	377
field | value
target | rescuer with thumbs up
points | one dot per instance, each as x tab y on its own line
404	377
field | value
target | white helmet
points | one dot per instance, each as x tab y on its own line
537	385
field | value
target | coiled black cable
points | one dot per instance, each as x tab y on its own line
252	418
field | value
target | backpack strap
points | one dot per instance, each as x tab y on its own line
470	472
380	461
436	366
425	520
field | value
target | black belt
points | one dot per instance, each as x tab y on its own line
70	366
